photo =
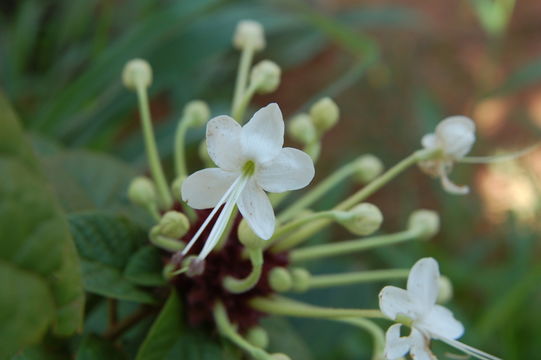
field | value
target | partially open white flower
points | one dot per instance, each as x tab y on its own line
250	161
416	307
454	136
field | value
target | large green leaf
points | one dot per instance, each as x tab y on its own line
93	348
40	284
145	267
106	243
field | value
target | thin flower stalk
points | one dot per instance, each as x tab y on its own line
332	280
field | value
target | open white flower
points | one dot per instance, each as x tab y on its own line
454	136
416	307
250	161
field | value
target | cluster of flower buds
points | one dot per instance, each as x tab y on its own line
228	251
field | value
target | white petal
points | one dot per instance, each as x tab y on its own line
204	188
255	207
263	136
451	187
420	346
441	322
429	141
423	284
396	346
456	135
394	301
292	169
223	142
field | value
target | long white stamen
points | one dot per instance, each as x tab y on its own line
497	158
468	349
449	185
223	219
211	216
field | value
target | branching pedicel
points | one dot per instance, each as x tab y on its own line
237	265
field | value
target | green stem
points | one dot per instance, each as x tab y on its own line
180	157
317	192
278	305
228	330
238	286
348	247
374	330
237	110
356	198
152	151
323	281
153	211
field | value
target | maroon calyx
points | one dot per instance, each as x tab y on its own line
201	292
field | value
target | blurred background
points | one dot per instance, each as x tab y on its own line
395	68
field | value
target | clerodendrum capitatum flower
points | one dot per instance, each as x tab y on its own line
454	137
416	307
251	160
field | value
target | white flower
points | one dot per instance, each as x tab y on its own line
416	307
454	136
250	161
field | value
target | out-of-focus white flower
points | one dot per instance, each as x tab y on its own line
454	136
249	33
416	308
250	161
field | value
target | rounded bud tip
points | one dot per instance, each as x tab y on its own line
249	33
363	219
302	129
369	168
301	279
265	76
173	224
425	222
248	238
137	72
258	337
280	279
445	290
197	112
142	191
325	114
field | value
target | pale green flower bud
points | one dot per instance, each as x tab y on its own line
370	167
364	219
445	290
173	224
249	33
197	113
426	222
302	129
280	356
142	191
247	237
137	71
258	337
280	279
265	76
301	279
325	114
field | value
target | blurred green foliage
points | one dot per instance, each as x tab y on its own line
60	67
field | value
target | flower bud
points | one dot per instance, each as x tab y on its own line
325	114
249	33
197	113
173	224
258	337
370	167
301	279
142	191
280	356
363	219
265	76
445	290
137	71
302	129
280	279
426	222
247	237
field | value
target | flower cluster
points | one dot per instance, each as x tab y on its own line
231	267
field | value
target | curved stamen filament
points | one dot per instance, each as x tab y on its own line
468	349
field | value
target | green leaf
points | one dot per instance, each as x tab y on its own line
93	348
40	268
145	267
106	243
165	332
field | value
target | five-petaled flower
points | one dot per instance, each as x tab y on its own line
454	137
251	160
416	307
